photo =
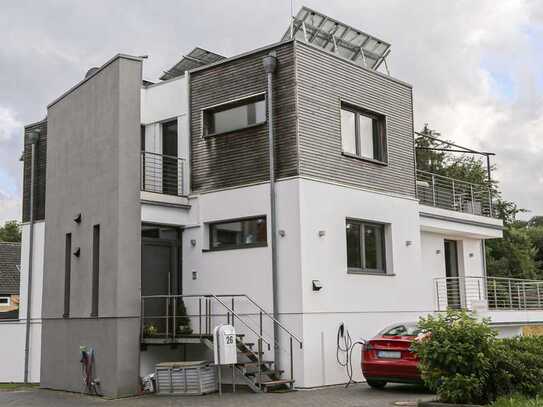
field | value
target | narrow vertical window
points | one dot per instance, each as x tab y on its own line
95	269
67	272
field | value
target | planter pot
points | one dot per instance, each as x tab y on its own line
438	404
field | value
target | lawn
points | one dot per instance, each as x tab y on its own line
518	402
15	386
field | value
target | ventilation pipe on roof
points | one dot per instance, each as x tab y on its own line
33	138
270	64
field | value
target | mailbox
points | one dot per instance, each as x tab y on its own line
224	345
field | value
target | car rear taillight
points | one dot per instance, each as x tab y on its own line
367	347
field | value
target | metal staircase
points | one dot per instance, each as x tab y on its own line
253	369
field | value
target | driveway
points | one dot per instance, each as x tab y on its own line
359	395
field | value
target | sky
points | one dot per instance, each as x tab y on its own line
475	66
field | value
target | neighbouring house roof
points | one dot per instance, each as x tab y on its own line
10	260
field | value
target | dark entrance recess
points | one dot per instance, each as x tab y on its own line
454	299
169	164
160	270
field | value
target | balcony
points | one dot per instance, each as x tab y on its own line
452	194
162	174
493	293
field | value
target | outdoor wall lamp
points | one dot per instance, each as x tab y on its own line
317	285
77	252
77	219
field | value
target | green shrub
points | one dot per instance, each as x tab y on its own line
518	366
456	357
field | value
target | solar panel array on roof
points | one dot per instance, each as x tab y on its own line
313	27
194	59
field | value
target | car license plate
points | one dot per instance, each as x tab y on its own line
385	354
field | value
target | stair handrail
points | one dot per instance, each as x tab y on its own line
144	297
271	317
237	316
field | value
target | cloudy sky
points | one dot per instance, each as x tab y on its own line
475	65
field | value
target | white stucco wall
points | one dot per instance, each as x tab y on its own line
12	333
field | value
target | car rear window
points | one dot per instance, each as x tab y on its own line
402	330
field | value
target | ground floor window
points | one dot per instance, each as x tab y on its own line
5	300
365	247
238	233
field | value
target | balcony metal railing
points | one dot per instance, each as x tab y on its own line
448	193
162	174
496	293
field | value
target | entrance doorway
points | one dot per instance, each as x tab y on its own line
169	161
454	298
160	272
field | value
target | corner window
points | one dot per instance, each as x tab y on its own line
363	133
365	247
238	234
235	115
5	301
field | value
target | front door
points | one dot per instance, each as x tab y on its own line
170	179
158	271
451	271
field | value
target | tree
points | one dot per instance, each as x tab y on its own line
520	253
10	232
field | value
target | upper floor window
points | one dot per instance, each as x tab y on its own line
238	234
363	133
235	115
365	247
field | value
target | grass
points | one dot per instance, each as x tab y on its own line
517	401
15	386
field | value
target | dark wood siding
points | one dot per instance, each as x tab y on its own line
241	157
41	162
323	81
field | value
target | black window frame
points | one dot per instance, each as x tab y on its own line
207	113
363	269
379	134
212	225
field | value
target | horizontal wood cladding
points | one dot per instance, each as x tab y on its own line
40	163
324	81
241	157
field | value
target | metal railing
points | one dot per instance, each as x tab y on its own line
162	174
494	293
207	311
448	193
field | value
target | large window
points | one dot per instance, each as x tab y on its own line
365	247
238	234
235	115
363	134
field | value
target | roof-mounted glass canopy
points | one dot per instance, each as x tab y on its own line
194	59
348	42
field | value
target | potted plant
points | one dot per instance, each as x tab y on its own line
182	321
150	330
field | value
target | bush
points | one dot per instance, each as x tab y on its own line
463	362
518	366
518	401
456	357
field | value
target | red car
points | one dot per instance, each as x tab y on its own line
388	356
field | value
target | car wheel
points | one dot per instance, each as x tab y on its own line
376	384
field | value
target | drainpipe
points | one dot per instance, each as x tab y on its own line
33	137
270	64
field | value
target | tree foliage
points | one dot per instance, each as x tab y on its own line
10	231
520	253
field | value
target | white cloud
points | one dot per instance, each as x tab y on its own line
8	124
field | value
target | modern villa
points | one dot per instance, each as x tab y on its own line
275	190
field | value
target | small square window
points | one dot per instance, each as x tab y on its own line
234	116
363	133
365	247
238	234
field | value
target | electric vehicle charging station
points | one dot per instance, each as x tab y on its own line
225	350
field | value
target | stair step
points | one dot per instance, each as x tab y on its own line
250	354
254	364
266	372
276	383
246	344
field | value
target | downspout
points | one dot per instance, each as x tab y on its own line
33	138
270	64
